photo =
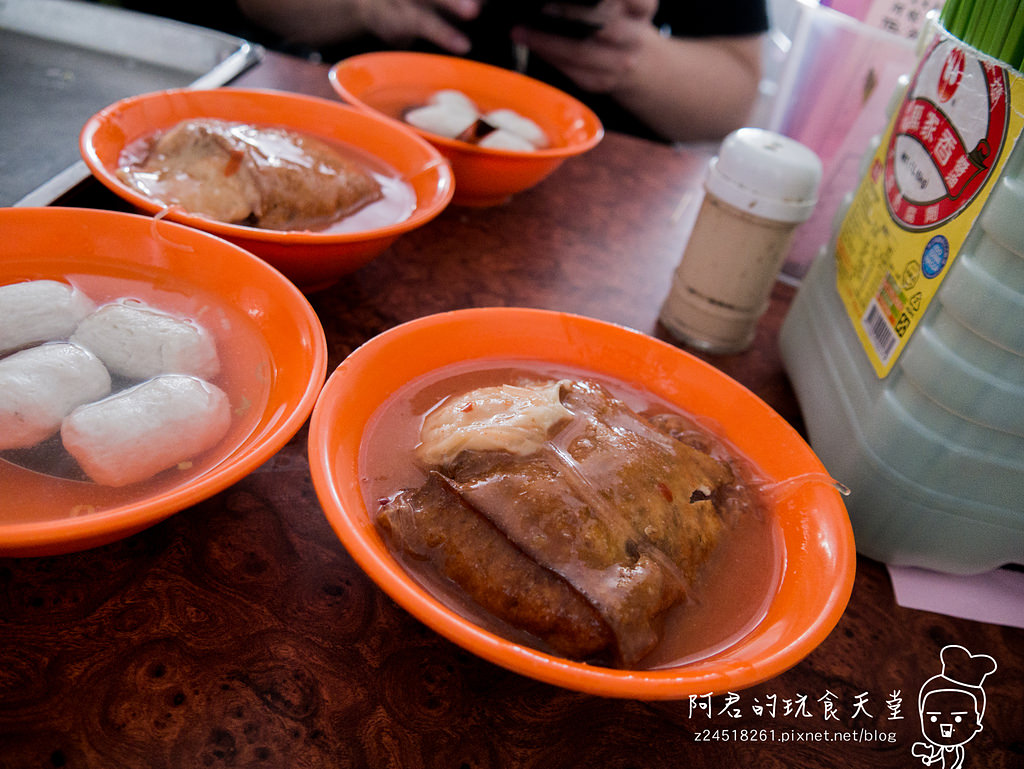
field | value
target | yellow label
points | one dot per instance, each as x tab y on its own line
944	148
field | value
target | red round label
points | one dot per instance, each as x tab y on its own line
947	137
951	75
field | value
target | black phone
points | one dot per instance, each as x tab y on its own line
536	15
562	26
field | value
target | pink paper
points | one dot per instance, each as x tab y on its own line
858	9
996	597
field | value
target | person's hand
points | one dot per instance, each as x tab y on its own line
601	62
400	21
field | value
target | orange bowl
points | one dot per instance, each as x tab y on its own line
270	342
313	260
817	549
389	83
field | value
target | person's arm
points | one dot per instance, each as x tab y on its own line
684	88
319	22
693	89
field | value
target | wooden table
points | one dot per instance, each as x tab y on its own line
240	633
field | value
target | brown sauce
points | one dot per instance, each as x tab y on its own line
736	584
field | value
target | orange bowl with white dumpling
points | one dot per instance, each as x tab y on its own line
431	93
581	503
144	366
314	187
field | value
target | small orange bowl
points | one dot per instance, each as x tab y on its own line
817	555
312	260
270	342
389	83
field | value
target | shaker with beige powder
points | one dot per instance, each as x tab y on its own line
759	188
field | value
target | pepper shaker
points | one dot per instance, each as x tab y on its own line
759	188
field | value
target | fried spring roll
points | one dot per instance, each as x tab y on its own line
434	521
614	509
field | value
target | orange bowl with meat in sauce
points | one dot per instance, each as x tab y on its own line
773	589
250	136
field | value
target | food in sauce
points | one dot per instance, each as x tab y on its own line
260	176
34	311
454	115
564	513
152	426
137	341
41	385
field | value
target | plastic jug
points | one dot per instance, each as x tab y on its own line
919	409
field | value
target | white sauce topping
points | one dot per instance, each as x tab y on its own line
502	418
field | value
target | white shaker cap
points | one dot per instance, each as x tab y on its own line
766	174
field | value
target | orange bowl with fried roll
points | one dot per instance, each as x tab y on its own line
811	551
417	181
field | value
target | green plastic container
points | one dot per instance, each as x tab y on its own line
933	450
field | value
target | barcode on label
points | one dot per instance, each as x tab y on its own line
882	335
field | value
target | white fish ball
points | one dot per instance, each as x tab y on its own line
41	385
453	99
135	433
506	140
441	119
512	121
140	342
35	311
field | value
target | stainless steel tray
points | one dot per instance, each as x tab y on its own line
61	61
